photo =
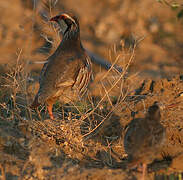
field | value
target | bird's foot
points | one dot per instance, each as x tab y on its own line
51	116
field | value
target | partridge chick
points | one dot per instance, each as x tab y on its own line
144	138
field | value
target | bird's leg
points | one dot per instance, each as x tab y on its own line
144	171
49	107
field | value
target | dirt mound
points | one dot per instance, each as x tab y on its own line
61	149
74	146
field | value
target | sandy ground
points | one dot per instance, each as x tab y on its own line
34	147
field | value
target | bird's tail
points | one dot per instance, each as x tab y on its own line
35	103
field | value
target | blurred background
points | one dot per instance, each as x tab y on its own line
110	29
105	25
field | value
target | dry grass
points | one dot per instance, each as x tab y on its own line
86	133
19	81
76	124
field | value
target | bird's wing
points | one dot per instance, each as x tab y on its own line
135	135
82	80
62	71
68	74
53	75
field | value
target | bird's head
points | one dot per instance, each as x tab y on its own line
67	23
154	111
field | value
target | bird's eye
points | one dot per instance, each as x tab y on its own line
68	22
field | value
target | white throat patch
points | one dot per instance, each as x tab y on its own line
63	26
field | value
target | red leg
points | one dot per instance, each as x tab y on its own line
144	171
49	107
